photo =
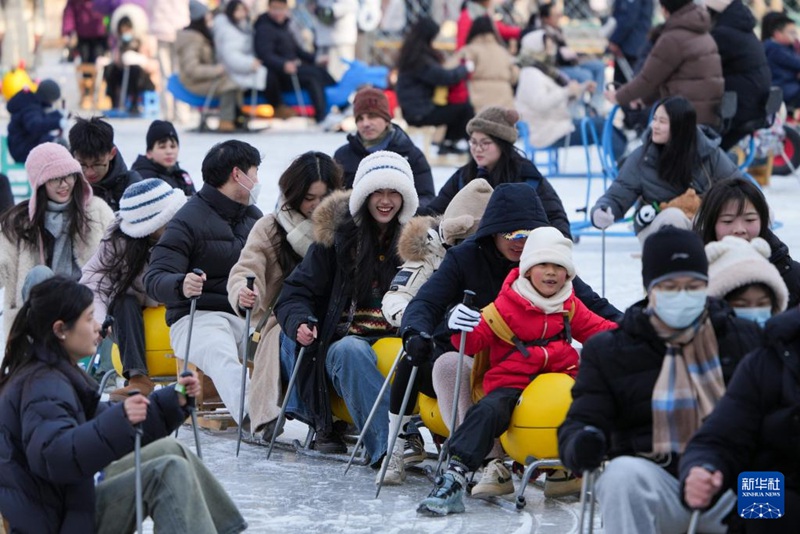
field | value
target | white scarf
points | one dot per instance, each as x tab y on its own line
548	305
299	229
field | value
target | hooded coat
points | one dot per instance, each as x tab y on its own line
31	124
197	65
176	177
234	47
492	83
320	287
415	88
111	186
477	265
684	61
351	154
756	426
638	179
619	369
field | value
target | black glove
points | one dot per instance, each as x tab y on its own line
419	348
588	449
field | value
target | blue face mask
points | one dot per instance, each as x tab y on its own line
679	309
126	37
760	315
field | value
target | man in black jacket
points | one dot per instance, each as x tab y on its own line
161	158
92	144
754	427
276	47
744	66
208	233
376	132
643	389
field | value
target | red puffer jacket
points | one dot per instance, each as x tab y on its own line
510	368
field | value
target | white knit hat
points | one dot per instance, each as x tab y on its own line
463	215
148	205
733	262
547	245
385	170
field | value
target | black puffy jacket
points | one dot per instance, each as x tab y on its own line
477	265
351	154
415	88
619	369
177	178
756	425
55	435
789	268
111	187
207	233
527	173
30	124
274	44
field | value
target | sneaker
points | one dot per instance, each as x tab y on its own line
496	480
447	497
561	484
395	472
414	452
142	383
329	443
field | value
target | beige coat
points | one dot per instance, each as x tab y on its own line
16	260
259	257
197	66
495	73
542	103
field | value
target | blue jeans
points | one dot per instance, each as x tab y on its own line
591	70
295	407
351	366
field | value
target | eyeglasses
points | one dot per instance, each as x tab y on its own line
480	146
69	180
98	168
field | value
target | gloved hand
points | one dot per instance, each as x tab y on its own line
463	318
419	348
588	449
602	217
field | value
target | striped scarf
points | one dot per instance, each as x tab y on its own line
688	387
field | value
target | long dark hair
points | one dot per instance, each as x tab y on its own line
417	50
18	227
55	299
374	255
506	169
124	262
231	7
306	169
738	190
201	27
678	158
480	26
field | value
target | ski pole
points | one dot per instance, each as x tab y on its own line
137	462
298	93
396	430
462	344
587	501
374	409
248	311
603	261
190	400
312	323
693	523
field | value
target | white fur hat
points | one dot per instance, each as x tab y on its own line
547	245
148	205
385	170
463	215
733	263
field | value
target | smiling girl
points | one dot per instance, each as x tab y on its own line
57	230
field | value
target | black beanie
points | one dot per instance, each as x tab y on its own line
672	252
158	131
674	5
48	91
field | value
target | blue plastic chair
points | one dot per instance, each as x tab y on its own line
20	186
548	159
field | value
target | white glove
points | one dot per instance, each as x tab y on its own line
63	124
602	218
463	318
470	66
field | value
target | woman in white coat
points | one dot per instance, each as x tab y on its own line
233	41
56	231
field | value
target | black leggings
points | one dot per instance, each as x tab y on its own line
423	383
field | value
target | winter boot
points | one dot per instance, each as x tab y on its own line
140	382
414	452
447	497
330	443
284	112
495	481
395	472
561	484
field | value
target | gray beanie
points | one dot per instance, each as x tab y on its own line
197	10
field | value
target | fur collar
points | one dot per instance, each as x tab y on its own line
329	216
414	243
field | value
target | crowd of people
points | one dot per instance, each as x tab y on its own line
673	397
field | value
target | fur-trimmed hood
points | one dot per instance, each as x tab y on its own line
420	239
329	216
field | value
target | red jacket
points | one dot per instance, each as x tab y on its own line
508	367
506	31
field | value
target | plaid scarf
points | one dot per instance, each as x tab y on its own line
688	387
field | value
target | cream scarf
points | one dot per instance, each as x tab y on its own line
299	229
548	305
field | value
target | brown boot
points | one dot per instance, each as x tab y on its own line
140	382
226	126
284	112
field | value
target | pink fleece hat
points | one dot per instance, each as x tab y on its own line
48	161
